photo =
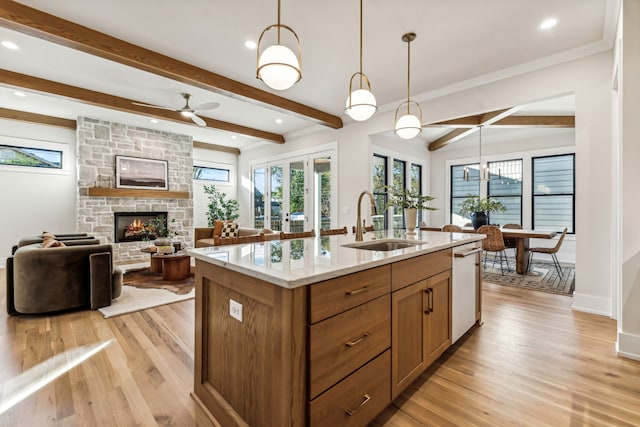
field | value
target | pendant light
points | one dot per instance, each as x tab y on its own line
361	104
277	66
484	169
410	123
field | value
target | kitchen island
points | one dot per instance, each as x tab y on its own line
324	330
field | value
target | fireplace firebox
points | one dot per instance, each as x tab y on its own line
131	226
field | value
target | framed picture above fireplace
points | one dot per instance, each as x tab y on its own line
138	172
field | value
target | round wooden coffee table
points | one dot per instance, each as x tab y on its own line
175	266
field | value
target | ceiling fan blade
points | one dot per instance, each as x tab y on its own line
197	120
154	106
207	106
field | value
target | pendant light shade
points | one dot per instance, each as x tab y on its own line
361	104
408	121
278	66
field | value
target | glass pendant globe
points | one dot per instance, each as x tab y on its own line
408	126
363	105
278	67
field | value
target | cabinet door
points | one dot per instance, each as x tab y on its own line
438	309
408	329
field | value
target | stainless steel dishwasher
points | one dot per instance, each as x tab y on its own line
464	302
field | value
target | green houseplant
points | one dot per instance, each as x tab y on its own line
477	209
219	207
410	201
162	230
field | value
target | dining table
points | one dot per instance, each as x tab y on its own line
522	237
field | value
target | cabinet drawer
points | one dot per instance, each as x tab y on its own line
408	271
343	343
364	394
340	294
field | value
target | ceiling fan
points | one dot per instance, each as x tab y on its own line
187	110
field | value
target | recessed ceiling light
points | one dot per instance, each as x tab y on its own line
250	44
154	120
9	45
548	23
20	94
278	121
233	137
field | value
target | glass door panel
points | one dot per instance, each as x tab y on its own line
259	192
323	212
297	195
276	197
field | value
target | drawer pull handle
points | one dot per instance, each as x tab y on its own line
350	412
357	291
359	340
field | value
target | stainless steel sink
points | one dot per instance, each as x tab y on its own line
384	245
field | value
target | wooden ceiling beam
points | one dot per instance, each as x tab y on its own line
215	147
6	113
123	104
42	25
537	121
450	137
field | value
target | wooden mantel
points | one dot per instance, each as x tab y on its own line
137	193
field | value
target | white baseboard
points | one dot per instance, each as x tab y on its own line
591	304
628	345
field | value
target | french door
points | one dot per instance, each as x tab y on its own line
295	194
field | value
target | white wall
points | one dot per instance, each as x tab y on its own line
36	200
212	158
588	78
629	85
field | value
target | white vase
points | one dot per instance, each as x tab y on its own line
411	219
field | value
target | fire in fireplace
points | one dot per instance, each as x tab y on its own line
131	226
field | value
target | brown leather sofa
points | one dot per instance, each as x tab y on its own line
78	275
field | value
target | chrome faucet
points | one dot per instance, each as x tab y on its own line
359	221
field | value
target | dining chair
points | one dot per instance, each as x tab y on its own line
333	231
221	241
511	242
452	228
297	234
550	251
494	242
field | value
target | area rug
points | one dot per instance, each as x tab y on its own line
541	277
142	290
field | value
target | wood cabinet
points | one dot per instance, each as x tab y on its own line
336	352
420	325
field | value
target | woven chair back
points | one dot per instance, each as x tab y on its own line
297	234
452	228
494	241
221	241
562	236
333	231
511	242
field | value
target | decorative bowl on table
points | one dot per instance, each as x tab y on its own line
165	250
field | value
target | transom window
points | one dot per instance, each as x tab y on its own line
33	157
204	173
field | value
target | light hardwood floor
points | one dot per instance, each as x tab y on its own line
534	362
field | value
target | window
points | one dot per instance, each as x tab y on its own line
505	185
33	157
204	173
399	183
416	183
460	189
379	175
553	192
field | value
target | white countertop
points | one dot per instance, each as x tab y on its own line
299	262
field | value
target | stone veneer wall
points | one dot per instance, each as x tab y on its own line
98	144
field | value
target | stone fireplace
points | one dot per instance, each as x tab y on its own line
99	202
131	226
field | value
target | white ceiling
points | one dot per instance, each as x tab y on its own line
460	43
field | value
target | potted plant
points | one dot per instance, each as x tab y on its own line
477	209
162	230
410	201
219	208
